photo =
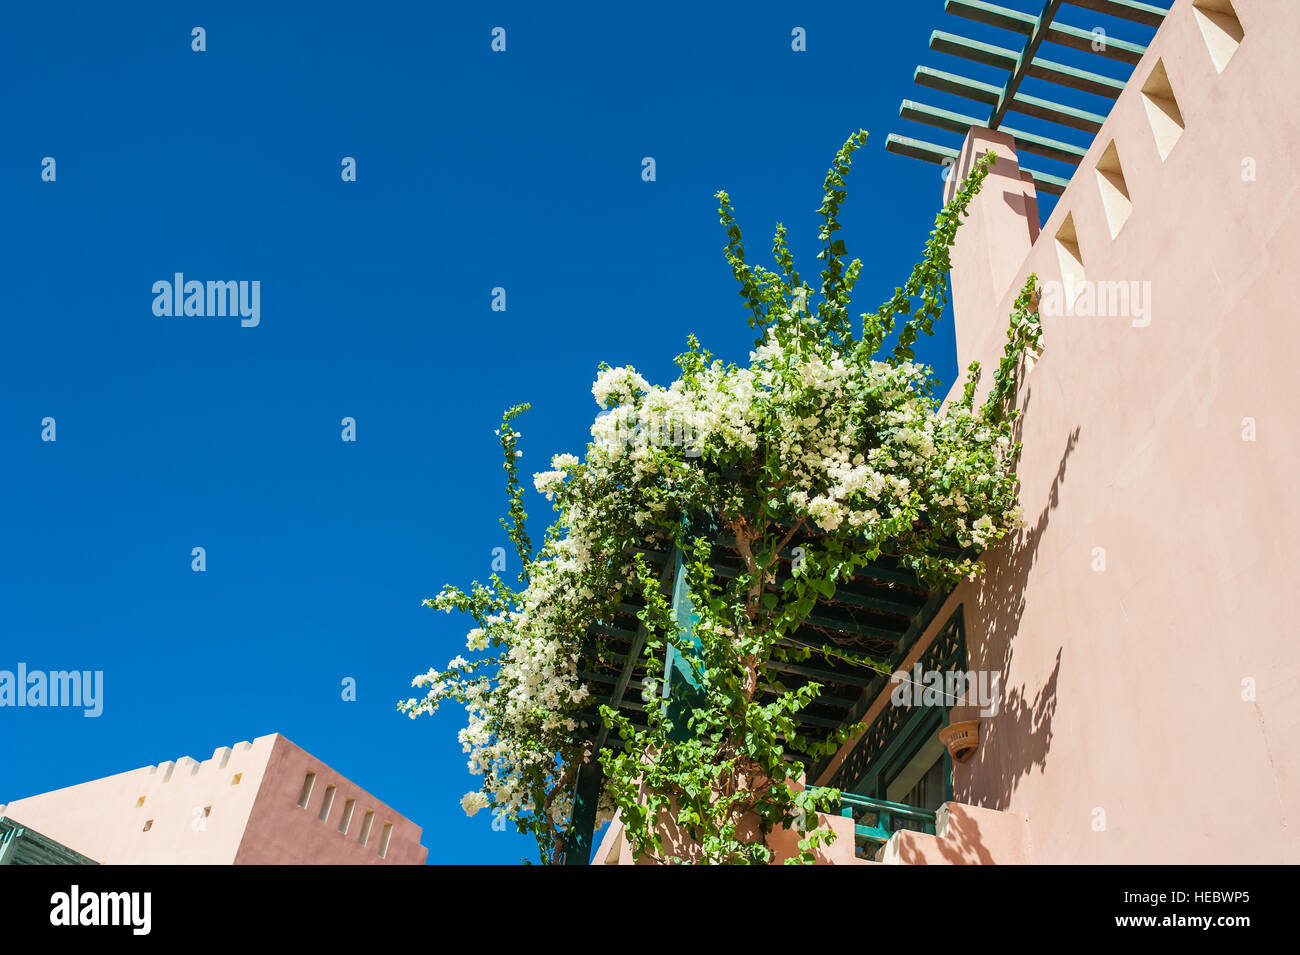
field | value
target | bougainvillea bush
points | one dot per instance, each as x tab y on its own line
833	436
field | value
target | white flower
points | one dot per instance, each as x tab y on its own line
473	802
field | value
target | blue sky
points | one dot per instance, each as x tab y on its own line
474	170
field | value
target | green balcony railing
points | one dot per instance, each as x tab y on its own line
875	820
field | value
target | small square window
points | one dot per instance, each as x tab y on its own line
236	779
207	811
139	802
147	826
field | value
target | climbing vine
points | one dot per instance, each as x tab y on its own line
831	437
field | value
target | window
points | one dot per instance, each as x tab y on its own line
307	785
366	823
139	802
383	839
326	803
346	822
236	778
148	825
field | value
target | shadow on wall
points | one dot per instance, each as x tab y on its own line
965	847
1018	739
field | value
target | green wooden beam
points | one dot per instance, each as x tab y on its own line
848	626
1024	59
848	658
992	15
1058	33
634	654
958	123
607	631
1075	79
1046	182
945	82
1112	48
932	152
818	674
582	824
961	123
874	603
1043	146
918	148
841	597
996	56
1057	113
1145	13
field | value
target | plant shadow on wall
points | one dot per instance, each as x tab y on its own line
828	442
1018	739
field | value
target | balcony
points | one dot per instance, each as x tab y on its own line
875	820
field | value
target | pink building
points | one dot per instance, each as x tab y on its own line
1137	625
267	802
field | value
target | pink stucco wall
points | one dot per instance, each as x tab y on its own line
280	832
239	807
1149	707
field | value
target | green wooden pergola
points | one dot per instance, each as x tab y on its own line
880	613
20	845
1024	60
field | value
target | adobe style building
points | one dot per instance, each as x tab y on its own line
267	802
1137	625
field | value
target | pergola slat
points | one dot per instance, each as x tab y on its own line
1061	34
1147	14
1043	146
986	53
939	118
992	15
957	85
1057	113
1019	64
818	674
1086	40
1076	79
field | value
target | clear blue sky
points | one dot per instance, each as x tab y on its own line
475	170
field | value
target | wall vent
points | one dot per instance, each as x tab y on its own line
1163	114
1114	190
1220	28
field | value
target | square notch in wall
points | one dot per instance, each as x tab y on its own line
1114	190
1070	259
1221	29
1163	114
